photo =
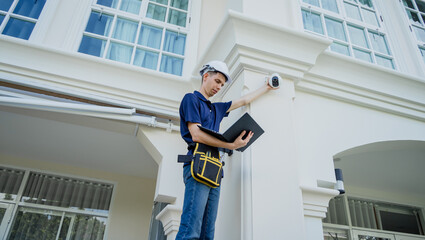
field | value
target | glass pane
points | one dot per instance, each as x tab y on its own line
378	43
357	36
420	33
385	62
1	18
99	24
335	29
177	18
37	224
330	5
312	22
156	229
125	30
108	3
406	222
413	17
65	228
131	6
2	212
365	237
29	8
92	46
408	3
181	4
312	2
88	228
10	181
339	48
119	52
174	42
422	53
156	12
165	2
370	17
146	59
5	5
150	36
366	3
362	55
335	234
171	65
19	28
66	192
421	6
352	11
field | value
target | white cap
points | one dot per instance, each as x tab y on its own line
216	66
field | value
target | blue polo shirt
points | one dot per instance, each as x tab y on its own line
196	108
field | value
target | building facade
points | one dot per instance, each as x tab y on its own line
89	124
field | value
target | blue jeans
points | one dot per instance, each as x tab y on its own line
199	209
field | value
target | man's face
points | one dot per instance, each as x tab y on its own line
212	83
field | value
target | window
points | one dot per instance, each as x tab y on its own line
18	17
415	10
352	25
149	34
54	207
361	214
156	230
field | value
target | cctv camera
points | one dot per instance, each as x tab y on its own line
275	80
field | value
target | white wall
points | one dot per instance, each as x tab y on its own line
132	202
325	127
170	187
386	196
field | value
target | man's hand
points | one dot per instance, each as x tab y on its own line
239	142
246	99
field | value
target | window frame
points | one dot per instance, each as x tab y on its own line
18	204
35	31
140	19
420	43
351	229
343	17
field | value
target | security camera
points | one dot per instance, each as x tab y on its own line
339	181
275	80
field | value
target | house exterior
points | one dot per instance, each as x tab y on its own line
89	123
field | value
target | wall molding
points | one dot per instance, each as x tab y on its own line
316	200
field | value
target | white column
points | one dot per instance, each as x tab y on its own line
268	184
170	219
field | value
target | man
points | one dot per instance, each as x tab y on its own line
201	201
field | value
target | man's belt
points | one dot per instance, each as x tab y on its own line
191	147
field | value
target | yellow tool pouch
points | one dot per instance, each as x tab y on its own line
206	166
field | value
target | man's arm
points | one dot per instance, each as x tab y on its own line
246	99
201	137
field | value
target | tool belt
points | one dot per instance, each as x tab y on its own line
205	166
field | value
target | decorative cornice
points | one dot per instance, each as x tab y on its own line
249	42
366	85
316	200
170	218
